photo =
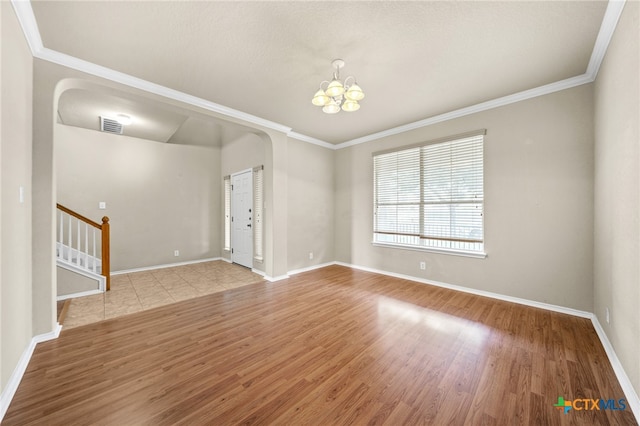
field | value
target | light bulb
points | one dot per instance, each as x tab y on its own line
331	108
350	106
335	88
320	99
354	93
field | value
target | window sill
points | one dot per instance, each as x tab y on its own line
451	252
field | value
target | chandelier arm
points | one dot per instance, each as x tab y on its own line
346	86
323	82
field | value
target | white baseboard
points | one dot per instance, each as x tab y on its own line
168	265
310	268
191	262
14	381
274	279
625	383
269	278
292	272
521	301
259	272
80	294
16	377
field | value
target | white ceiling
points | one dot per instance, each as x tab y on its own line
152	120
414	60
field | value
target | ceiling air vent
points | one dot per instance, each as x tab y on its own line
110	125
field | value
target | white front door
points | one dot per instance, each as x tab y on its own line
242	218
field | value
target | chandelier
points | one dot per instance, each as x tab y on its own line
338	95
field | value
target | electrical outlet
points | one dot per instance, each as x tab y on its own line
423	265
607	317
310	255
176	253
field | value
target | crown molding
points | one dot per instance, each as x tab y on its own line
309	139
27	20
157	89
473	109
607	28
30	28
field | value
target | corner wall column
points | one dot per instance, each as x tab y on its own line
276	205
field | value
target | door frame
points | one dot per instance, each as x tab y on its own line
250	243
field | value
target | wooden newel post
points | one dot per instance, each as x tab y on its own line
106	268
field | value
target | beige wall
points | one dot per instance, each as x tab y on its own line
310	206
70	282
44	199
241	153
15	172
309	202
617	193
538	203
276	205
160	197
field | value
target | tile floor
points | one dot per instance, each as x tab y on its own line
138	291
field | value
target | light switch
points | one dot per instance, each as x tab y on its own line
102	205
21	194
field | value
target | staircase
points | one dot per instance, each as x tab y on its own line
77	259
82	247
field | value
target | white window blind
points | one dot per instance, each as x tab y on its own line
227	212
258	209
431	196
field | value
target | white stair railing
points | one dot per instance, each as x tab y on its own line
82	242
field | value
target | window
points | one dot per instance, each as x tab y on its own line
258	212
431	196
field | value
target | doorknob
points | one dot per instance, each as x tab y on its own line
249	225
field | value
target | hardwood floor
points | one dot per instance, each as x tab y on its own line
331	346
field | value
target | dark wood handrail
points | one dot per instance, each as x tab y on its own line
105	228
79	216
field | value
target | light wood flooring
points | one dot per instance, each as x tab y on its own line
330	346
138	291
